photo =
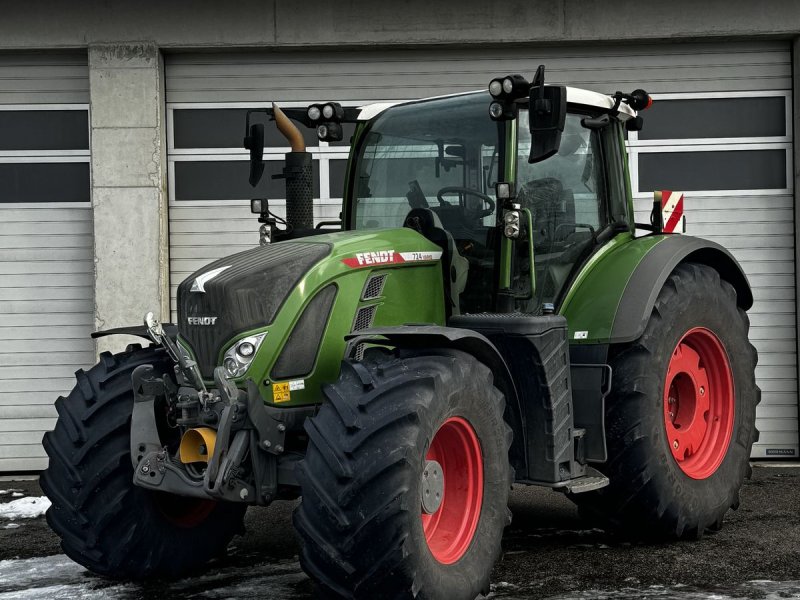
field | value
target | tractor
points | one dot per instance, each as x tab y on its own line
487	313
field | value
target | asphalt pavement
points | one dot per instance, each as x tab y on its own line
549	552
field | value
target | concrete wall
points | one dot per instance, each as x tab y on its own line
288	23
129	195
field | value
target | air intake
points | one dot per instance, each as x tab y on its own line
374	287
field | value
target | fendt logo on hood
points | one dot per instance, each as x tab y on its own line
389	257
202	320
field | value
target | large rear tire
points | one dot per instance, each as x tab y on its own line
370	520
105	522
680	419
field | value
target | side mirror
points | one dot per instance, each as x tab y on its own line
255	143
547	113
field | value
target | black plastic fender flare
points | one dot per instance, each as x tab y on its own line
466	340
648	278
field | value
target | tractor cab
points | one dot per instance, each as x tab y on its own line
434	166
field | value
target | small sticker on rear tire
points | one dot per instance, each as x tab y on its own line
581	335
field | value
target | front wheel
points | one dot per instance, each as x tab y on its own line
405	482
680	419
106	523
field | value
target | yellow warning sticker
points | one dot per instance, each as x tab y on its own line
280	392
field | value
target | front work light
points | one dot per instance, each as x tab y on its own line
314	112
330	132
504	190
502	111
239	356
510	87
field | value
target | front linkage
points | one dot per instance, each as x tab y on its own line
233	446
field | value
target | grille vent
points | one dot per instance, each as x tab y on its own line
364	317
374	287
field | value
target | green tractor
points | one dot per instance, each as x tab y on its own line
486	316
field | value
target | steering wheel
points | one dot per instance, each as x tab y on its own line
468	191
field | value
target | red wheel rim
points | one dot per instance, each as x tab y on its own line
449	530
698	403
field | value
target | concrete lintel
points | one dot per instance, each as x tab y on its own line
194	24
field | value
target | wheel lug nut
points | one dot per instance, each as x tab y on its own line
702	391
675	444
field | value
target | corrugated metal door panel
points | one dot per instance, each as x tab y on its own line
44	78
398	74
46	316
759	232
46	267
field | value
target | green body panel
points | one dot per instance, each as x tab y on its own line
413	292
591	303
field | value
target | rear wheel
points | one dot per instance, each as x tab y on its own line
680	419
405	482
105	522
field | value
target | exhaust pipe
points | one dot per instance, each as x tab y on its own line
298	174
197	445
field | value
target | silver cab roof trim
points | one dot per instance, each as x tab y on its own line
574	96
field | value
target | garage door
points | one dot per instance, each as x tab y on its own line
46	268
720	132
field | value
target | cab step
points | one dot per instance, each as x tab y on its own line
592	480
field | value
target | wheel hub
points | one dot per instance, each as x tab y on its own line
432	487
699	403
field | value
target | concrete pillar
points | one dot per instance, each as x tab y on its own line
796	163
128	186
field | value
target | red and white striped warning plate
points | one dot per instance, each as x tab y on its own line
672	212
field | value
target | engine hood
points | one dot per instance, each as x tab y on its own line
269	286
239	293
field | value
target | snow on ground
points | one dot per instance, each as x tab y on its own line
58	578
762	589
24	508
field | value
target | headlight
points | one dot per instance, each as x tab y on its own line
313	112
327	111
239	356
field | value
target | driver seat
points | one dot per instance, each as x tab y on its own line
454	266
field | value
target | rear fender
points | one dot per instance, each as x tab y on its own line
652	272
611	301
471	342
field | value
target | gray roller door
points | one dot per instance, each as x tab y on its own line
751	216
46	254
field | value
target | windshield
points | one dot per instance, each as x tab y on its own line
432	166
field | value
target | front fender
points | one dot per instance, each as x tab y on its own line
466	340
612	299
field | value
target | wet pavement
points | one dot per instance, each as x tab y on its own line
548	553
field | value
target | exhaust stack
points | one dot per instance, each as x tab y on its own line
298	174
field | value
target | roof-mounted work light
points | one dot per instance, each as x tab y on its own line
505	91
327	119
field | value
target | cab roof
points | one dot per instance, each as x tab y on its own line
575	96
